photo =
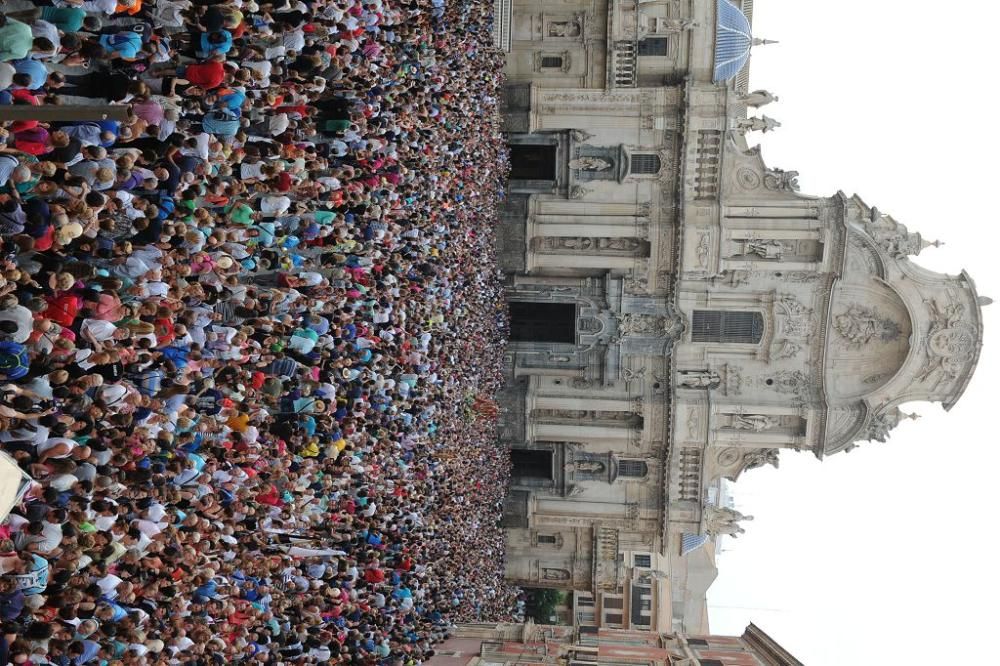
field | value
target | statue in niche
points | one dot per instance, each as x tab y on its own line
765	249
624	244
580	135
589	466
753	422
756	459
564	29
762	124
699	379
758	98
555	574
589	164
567	243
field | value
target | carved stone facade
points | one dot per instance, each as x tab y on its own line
680	313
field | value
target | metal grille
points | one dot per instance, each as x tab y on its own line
633	468
554	62
645	164
727	327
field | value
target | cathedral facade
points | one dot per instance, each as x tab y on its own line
680	312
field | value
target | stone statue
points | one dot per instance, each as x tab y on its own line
753	422
723	520
758	98
580	136
619	243
555	574
591	466
578	192
589	164
755	124
765	249
699	379
781	180
756	459
564	29
567	242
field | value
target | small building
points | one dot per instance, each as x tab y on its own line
537	645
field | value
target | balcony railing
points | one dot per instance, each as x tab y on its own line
626	63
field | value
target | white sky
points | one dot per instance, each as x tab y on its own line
885	555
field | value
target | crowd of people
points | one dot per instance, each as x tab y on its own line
250	329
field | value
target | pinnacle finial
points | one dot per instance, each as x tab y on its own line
763	42
983	301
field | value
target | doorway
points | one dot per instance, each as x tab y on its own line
532	162
542	322
531	464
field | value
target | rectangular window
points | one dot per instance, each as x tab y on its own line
726	326
614	602
613	618
643	561
697	642
653	46
585	602
542	322
552	62
546	539
711	662
645	164
632	468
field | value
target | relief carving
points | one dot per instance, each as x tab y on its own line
951	343
781	180
859	325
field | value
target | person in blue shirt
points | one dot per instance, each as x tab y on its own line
124	45
33	70
216	41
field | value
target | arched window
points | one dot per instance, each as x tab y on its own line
726	326
632	468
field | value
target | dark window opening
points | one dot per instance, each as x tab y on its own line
546	538
531	463
613	602
711	662
613	618
542	322
532	162
727	327
653	46
632	468
552	62
644	561
697	642
645	164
